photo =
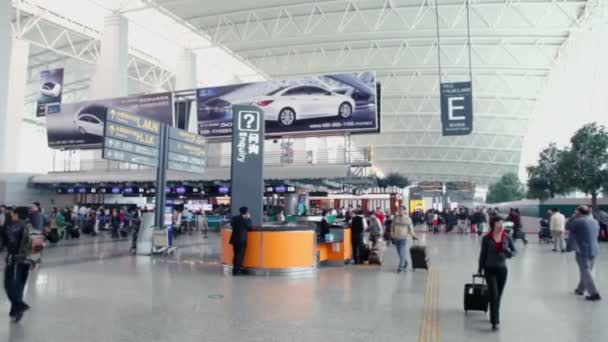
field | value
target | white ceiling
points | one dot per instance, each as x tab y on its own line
515	44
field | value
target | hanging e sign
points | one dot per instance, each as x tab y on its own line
457	108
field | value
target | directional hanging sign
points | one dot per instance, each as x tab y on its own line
457	108
187	151
183	167
183	148
130	134
187	137
131	139
128	157
180	158
130	147
132	120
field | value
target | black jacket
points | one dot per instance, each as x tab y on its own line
357	225
490	257
240	227
12	236
323	228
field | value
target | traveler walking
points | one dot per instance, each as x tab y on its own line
3	213
379	213
19	248
584	231
241	224
36	218
480	218
518	232
358	226
496	247
429	218
61	223
557	224
403	229
115	223
388	227
375	228
82	216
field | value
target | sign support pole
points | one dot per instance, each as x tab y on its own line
161	178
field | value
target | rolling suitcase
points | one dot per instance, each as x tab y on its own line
476	295
364	252
74	233
419	257
375	256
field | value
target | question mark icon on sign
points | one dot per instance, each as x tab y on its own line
250	119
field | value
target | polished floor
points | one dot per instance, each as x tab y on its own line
96	291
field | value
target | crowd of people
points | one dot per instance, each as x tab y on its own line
24	230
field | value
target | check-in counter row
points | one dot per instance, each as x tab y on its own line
288	249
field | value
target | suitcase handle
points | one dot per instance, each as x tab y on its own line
475	276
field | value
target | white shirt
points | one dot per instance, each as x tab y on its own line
83	211
558	222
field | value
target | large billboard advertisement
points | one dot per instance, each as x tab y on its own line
81	125
316	104
51	89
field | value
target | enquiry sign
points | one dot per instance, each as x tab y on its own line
248	161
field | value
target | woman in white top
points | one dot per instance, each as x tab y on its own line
402	229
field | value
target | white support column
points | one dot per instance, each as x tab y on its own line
5	51
186	77
111	77
14	57
187	70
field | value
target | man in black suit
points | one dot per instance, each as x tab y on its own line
358	226
240	226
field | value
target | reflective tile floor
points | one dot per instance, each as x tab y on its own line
98	292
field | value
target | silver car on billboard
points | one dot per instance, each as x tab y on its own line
286	105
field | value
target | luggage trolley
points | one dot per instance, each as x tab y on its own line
163	241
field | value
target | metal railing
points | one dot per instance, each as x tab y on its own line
359	156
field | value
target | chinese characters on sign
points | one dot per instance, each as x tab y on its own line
249	124
249	143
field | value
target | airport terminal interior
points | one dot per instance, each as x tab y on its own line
304	170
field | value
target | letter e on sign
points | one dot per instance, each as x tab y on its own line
249	121
453	107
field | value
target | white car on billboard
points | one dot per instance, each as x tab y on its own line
50	89
286	105
89	120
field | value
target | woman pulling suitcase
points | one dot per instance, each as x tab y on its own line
496	247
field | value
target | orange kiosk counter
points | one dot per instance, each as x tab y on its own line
288	249
339	249
275	249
